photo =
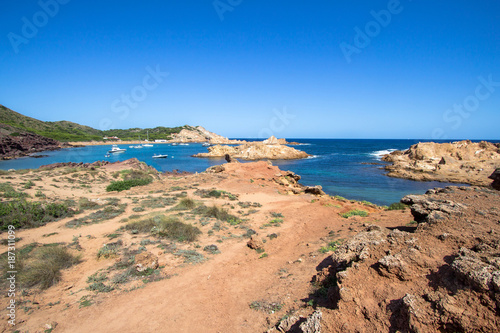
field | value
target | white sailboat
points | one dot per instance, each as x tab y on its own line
147	144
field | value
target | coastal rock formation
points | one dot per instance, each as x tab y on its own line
23	144
458	162
200	134
444	276
496	179
255	152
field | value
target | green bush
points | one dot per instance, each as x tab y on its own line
173	228
166	226
26	214
397	206
123	185
185	204
142	226
7	191
43	266
107	213
219	213
354	212
331	247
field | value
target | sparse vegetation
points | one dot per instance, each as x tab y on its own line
170	227
185	204
331	247
109	250
27	214
7	191
354	212
41	266
215	194
123	185
107	213
190	256
265	306
397	206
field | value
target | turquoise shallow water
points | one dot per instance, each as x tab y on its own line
340	166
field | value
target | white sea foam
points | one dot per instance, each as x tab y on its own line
312	156
380	153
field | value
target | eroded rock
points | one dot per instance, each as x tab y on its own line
145	260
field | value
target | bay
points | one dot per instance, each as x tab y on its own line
350	168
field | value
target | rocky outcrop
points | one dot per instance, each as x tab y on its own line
458	162
444	276
25	144
496	179
425	208
255	152
200	134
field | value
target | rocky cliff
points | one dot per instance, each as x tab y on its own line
15	144
443	275
255	151
458	162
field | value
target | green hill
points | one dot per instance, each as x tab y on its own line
58	130
69	131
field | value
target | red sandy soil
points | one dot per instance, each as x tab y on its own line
212	296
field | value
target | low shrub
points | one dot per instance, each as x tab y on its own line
173	228
165	226
397	206
215	194
7	191
331	247
219	213
354	212
85	203
185	204
26	214
107	213
123	185
43	266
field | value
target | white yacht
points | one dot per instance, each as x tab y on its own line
160	156
116	149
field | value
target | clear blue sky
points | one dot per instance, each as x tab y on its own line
310	69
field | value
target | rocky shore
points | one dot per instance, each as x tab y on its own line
441	274
256	151
458	162
24	144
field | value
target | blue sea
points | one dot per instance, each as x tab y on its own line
342	166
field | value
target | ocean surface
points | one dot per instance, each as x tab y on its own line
342	166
